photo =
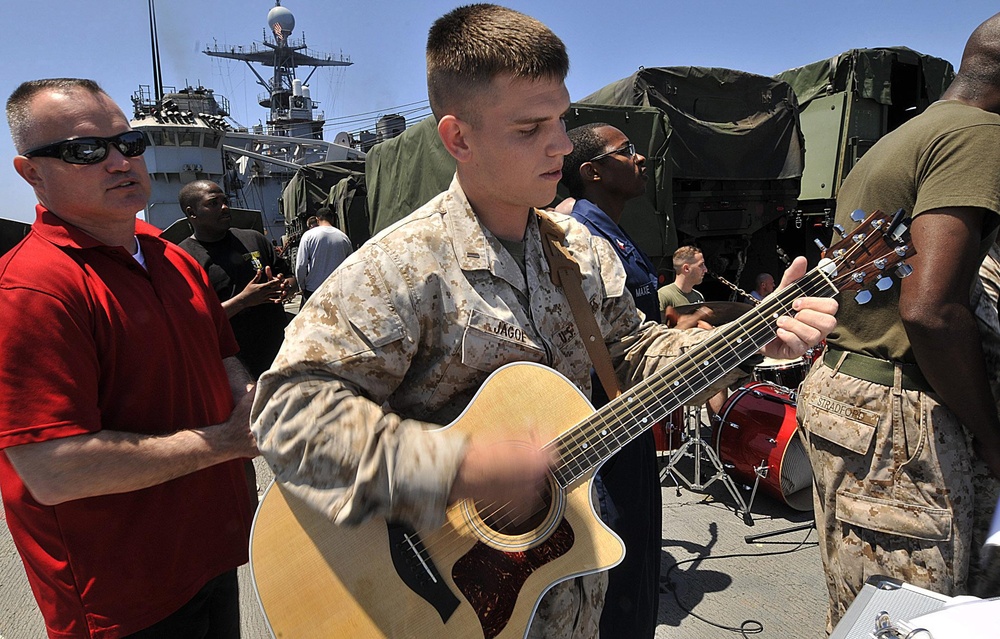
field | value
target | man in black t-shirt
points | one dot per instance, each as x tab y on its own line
245	272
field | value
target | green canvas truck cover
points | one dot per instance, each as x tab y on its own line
723	124
868	73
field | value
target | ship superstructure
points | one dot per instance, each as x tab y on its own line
191	135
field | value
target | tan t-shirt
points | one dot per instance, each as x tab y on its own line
949	156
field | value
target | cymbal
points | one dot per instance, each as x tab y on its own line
715	313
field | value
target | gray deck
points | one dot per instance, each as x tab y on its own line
732	582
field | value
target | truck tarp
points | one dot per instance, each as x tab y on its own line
722	124
309	188
407	171
867	72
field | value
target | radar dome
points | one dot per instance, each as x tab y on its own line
281	17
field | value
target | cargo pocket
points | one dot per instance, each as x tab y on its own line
894	517
837	422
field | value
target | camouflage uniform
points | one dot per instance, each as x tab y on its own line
407	329
895	477
986	302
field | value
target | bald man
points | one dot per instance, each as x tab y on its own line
903	432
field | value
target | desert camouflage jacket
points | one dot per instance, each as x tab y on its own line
401	336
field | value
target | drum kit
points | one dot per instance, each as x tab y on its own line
753	439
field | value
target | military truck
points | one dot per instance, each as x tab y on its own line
850	101
732	161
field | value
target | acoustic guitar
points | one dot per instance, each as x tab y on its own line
474	577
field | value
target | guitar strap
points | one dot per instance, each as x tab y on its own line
565	273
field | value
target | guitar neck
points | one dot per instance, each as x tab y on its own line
606	431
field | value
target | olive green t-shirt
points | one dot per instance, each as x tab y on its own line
672	295
949	156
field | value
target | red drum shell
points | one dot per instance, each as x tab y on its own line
757	426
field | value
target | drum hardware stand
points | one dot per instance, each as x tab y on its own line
692	424
790	529
761	473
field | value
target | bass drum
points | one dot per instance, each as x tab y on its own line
756	430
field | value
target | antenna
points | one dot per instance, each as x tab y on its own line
155	46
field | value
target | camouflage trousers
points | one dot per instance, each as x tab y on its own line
571	609
898	491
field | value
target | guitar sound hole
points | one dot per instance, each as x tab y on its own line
500	518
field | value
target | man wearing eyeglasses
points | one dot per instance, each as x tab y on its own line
603	172
120	447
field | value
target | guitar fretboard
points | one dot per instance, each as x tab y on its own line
606	431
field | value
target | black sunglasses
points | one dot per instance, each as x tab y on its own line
628	151
91	150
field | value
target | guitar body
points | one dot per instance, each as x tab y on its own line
465	579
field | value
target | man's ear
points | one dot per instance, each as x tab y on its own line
454	136
589	172
27	170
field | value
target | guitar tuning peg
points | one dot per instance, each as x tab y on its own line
863	297
839	228
858	215
883	283
820	245
903	270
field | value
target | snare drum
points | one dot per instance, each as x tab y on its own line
756	430
788	373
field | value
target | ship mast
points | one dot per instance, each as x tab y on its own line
286	96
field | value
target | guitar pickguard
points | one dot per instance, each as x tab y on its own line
491	579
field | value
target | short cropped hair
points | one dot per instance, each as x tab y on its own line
191	192
685	255
587	143
470	46
18	113
327	214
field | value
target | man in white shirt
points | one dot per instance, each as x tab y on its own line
322	250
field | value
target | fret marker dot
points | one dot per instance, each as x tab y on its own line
604	432
677	383
585	445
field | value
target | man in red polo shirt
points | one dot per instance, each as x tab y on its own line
123	411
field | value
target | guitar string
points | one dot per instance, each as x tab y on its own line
582	438
761	327
622	413
845	256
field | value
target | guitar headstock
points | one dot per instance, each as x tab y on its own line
865	255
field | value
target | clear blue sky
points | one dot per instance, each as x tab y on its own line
108	40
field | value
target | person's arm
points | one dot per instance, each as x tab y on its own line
262	289
108	462
935	309
302	263
240	382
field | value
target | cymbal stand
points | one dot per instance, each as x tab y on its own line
697	448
